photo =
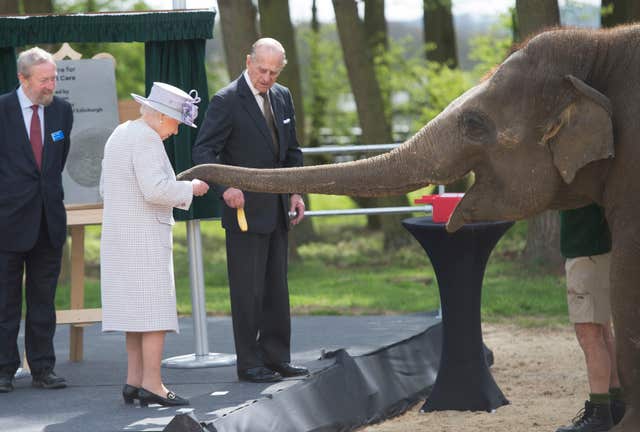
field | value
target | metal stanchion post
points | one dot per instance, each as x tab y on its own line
202	357
439	316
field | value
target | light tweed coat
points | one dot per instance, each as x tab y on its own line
139	189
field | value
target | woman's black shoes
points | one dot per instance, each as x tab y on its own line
130	393
172	399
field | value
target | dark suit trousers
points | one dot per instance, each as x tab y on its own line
41	265
257	270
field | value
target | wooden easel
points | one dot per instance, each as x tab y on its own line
78	216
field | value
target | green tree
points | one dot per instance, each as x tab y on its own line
327	87
429	85
491	48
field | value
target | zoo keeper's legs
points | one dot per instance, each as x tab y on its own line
589	309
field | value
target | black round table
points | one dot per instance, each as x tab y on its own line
464	382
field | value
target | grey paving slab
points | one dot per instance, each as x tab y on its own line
92	402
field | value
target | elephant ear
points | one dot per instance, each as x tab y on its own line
583	132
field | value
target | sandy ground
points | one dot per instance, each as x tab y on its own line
540	371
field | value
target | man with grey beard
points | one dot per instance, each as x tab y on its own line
35	127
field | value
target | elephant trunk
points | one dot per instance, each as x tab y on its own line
400	171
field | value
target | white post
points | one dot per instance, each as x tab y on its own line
202	357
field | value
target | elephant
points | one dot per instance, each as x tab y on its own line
556	125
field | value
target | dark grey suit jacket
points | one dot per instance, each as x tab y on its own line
25	190
234	132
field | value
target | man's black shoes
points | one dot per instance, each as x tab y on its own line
288	370
618	409
6	383
593	418
48	380
259	374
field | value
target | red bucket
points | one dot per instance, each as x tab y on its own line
442	204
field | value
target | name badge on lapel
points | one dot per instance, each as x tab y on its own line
57	136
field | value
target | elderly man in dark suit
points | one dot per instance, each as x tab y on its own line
251	123
34	143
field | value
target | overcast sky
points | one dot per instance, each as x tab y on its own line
395	10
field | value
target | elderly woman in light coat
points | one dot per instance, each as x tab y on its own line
140	190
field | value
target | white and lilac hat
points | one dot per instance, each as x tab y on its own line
172	101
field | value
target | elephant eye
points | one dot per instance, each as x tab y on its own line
475	126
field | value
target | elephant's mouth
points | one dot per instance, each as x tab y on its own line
458	216
467	207
489	200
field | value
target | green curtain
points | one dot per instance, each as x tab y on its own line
106	27
174	52
173	62
9	70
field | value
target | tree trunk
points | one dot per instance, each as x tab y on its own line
543	235
369	103
375	30
615	12
535	15
275	22
37	6
376	35
318	106
239	32
439	32
375	25
543	241
9	7
319	91
366	91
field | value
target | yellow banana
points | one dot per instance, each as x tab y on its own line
242	220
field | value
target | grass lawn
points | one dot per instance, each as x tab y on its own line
347	273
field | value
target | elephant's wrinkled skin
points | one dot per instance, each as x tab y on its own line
557	125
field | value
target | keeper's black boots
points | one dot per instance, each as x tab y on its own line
618	409
593	418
